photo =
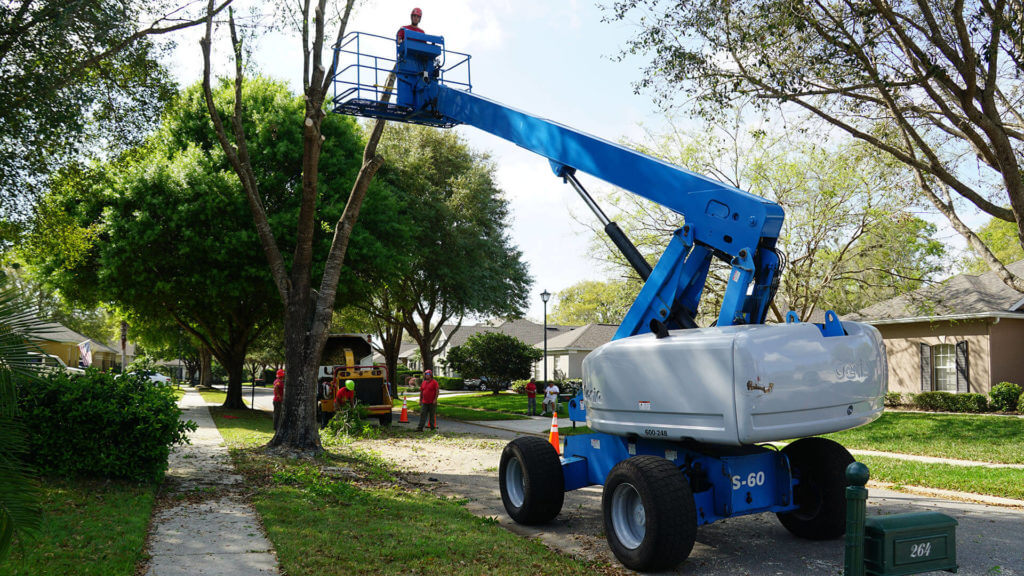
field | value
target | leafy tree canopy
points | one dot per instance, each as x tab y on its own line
850	238
934	84
169	234
461	260
498	357
1001	237
594	302
76	77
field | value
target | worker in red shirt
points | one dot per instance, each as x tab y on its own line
429	390
278	396
415	26
531	397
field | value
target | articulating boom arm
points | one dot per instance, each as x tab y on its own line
720	220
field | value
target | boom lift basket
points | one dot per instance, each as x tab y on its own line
360	86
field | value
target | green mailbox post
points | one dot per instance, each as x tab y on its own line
894	545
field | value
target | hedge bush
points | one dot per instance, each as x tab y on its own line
949	402
446	383
571	386
893	399
1005	396
935	401
975	403
101	425
402	373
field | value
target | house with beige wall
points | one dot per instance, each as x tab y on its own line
566	351
963	335
62	342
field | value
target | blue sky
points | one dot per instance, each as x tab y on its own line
550	58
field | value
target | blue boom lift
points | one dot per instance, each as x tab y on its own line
684	415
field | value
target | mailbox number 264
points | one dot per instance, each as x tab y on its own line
922	550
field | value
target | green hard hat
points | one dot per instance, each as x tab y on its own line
350	385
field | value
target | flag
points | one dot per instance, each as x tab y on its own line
85	352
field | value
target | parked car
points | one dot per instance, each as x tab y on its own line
481	384
154	377
52	363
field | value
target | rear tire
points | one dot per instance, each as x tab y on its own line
385	419
650	519
820	465
531	481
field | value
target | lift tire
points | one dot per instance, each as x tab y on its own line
820	466
650	519
385	419
531	480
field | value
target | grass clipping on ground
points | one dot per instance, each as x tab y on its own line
349	512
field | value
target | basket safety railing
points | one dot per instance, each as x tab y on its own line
360	85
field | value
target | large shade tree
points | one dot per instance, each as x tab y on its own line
74	75
306	286
850	238
461	259
935	84
173	233
495	358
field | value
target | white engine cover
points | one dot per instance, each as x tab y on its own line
736	385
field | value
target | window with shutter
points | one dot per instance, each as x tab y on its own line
944	367
963	381
926	368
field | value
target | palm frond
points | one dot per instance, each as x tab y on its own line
19	501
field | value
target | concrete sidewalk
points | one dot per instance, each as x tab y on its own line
210	529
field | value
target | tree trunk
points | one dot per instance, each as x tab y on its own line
205	367
391	345
298	430
236	369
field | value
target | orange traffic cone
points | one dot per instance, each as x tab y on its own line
553	435
404	418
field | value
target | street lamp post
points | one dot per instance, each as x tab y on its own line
545	295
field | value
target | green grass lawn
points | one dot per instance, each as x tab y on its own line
1002	482
962	436
371	524
481	407
89	528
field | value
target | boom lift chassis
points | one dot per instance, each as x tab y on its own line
685	415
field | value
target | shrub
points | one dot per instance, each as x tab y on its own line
101	425
571	386
402	373
935	401
1004	396
1020	403
518	386
971	402
893	399
446	383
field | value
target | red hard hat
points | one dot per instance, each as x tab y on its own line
417	12
280	373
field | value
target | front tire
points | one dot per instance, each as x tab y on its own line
650	519
531	481
820	466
